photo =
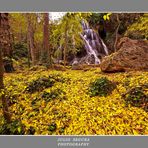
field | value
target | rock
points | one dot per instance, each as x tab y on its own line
58	67
84	67
8	65
132	55
135	35
76	67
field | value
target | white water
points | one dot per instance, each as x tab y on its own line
94	46
90	50
104	47
92	42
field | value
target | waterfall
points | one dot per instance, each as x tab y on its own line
90	50
93	44
104	47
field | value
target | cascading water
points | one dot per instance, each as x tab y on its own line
104	47
90	50
94	46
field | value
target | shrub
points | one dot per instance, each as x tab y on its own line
61	130
47	96
137	98
52	127
40	84
20	51
59	78
101	87
13	128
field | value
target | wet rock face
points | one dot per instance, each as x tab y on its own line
132	55
95	47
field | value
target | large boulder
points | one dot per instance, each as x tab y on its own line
132	55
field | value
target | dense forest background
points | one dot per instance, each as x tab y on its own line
28	37
84	73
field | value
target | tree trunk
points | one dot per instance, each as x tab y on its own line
66	40
116	33
2	96
30	39
6	42
45	51
28	46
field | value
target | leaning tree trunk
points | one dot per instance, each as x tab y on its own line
30	38
2	96
45	51
116	33
6	42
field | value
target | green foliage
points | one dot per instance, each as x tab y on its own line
40	84
44	82
58	54
18	25
62	130
101	87
45	59
20	51
59	78
52	127
70	24
137	98
13	128
53	94
95	18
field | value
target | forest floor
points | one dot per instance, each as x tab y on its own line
65	107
